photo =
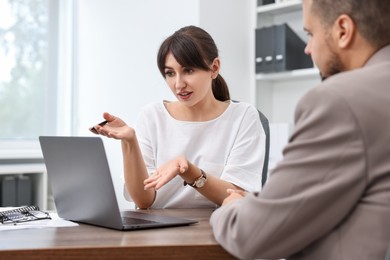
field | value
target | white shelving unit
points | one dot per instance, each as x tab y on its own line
278	93
278	8
288	75
25	159
37	174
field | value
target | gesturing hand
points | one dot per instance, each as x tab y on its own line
115	128
166	172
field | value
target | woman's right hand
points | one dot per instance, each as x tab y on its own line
115	128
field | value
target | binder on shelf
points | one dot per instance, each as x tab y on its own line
264	49
289	50
265	2
23	191
8	191
22	214
283	47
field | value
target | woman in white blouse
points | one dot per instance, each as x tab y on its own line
187	153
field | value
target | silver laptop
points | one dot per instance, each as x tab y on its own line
83	191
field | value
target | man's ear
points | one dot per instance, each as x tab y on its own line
344	31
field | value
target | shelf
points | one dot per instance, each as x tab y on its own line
279	8
8	169
20	149
38	177
20	154
289	75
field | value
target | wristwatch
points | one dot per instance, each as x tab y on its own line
199	182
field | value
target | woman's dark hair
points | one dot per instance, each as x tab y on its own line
193	47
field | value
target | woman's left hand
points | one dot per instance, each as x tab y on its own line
233	196
166	172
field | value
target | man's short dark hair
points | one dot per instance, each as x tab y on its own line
372	17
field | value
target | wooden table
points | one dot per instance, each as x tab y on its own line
90	242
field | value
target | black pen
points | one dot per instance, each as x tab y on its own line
93	130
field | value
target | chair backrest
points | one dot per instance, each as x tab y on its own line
265	124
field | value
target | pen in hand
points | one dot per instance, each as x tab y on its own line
93	130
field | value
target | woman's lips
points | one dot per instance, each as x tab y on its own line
184	95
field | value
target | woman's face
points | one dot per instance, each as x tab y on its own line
189	85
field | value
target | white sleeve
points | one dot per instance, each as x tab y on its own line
245	162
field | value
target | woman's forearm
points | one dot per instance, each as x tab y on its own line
135	173
214	188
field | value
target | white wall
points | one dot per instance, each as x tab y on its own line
232	25
117	43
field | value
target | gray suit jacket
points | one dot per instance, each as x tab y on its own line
329	198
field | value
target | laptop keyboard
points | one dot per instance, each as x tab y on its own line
136	221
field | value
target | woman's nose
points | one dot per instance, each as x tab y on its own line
180	83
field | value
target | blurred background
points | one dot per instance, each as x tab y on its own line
65	62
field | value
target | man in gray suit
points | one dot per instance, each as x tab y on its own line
329	198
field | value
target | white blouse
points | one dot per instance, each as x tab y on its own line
231	147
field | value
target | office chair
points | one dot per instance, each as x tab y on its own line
265	124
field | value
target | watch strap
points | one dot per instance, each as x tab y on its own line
203	175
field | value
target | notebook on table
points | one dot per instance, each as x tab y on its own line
82	186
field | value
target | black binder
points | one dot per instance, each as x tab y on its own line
264	49
23	191
282	48
265	2
8	191
289	50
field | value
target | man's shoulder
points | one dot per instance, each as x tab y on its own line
374	71
353	82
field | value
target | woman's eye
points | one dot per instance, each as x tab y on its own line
169	73
189	70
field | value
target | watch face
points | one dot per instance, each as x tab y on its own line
200	182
